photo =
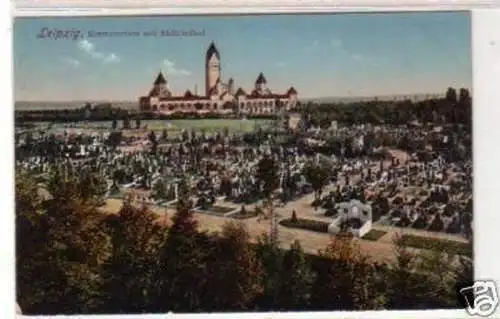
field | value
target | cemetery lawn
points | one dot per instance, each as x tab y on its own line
374	235
307	224
209	125
448	246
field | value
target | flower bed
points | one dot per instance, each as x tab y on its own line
308	224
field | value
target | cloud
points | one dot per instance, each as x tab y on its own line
357	57
89	48
312	47
86	46
73	62
280	64
336	43
112	58
172	69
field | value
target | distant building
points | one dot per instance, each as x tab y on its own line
219	97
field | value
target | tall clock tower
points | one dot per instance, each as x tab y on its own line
212	68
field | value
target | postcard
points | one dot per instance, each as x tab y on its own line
245	163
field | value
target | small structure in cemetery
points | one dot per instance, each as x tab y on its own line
354	217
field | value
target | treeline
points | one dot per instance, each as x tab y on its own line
74	259
453	108
109	113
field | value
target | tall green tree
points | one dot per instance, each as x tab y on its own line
130	273
63	274
318	176
236	273
267	175
296	278
182	259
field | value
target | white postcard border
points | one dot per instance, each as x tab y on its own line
486	110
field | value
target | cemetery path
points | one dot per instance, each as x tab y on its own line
311	241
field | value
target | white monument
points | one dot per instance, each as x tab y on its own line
355	215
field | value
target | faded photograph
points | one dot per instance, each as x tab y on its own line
197	164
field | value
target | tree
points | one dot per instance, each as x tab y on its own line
318	176
152	139
159	190
130	274
296	278
404	283
182	261
267	175
236	271
114	138
345	280
451	95
70	250
272	261
438	274
164	135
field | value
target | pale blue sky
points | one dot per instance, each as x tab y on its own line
320	55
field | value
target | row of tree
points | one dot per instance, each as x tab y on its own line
73	258
452	108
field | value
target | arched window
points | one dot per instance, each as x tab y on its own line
260	103
182	105
171	107
215	106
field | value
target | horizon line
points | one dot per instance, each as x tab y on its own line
434	94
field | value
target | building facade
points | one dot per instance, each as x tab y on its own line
219	97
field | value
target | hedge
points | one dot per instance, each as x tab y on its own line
308	224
